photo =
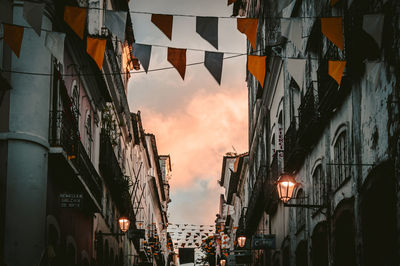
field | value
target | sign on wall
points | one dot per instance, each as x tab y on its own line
263	242
71	200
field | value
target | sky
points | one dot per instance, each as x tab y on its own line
196	121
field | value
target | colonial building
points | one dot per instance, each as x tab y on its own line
336	135
230	222
73	159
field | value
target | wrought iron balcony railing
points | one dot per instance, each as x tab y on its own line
112	173
64	133
256	194
294	152
275	168
309	119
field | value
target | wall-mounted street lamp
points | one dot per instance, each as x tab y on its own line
286	186
241	235
222	262
124	224
241	241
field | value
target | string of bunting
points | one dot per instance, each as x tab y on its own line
206	27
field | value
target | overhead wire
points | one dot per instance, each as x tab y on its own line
111	73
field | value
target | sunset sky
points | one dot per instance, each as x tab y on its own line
196	121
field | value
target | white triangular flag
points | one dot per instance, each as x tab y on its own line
33	13
296	68
287	11
55	44
143	53
373	72
373	25
281	4
292	30
115	21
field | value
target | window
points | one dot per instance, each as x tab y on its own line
318	186
300	212
280	135
75	99
341	170
88	139
273	148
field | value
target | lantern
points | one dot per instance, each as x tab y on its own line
241	241
285	186
124	224
222	262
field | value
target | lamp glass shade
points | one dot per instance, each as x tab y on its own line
285	186
241	241
124	224
222	262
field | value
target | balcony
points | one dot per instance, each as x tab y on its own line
271	194
275	169
64	133
257	201
294	153
112	173
309	119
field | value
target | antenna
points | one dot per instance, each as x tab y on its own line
234	149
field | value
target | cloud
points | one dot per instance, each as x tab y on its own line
195	120
197	137
196	204
200	134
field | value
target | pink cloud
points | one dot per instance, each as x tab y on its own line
200	134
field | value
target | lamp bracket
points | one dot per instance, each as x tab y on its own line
309	206
100	234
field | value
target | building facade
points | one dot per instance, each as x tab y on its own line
339	138
73	158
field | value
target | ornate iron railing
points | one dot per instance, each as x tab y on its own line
64	133
113	175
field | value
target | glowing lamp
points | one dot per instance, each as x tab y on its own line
222	262
286	185
241	241
124	224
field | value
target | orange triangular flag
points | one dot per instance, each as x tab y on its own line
164	23
248	26
334	2
75	17
177	57
95	48
231	2
256	66
332	28
336	69
13	35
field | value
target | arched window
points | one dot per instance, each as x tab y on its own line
88	139
273	146
318	186
280	135
340	153
300	212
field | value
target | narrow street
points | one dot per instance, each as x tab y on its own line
187	132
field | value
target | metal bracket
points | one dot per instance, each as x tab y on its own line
309	206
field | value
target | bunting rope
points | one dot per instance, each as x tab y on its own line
291	28
112	73
142	71
155	45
